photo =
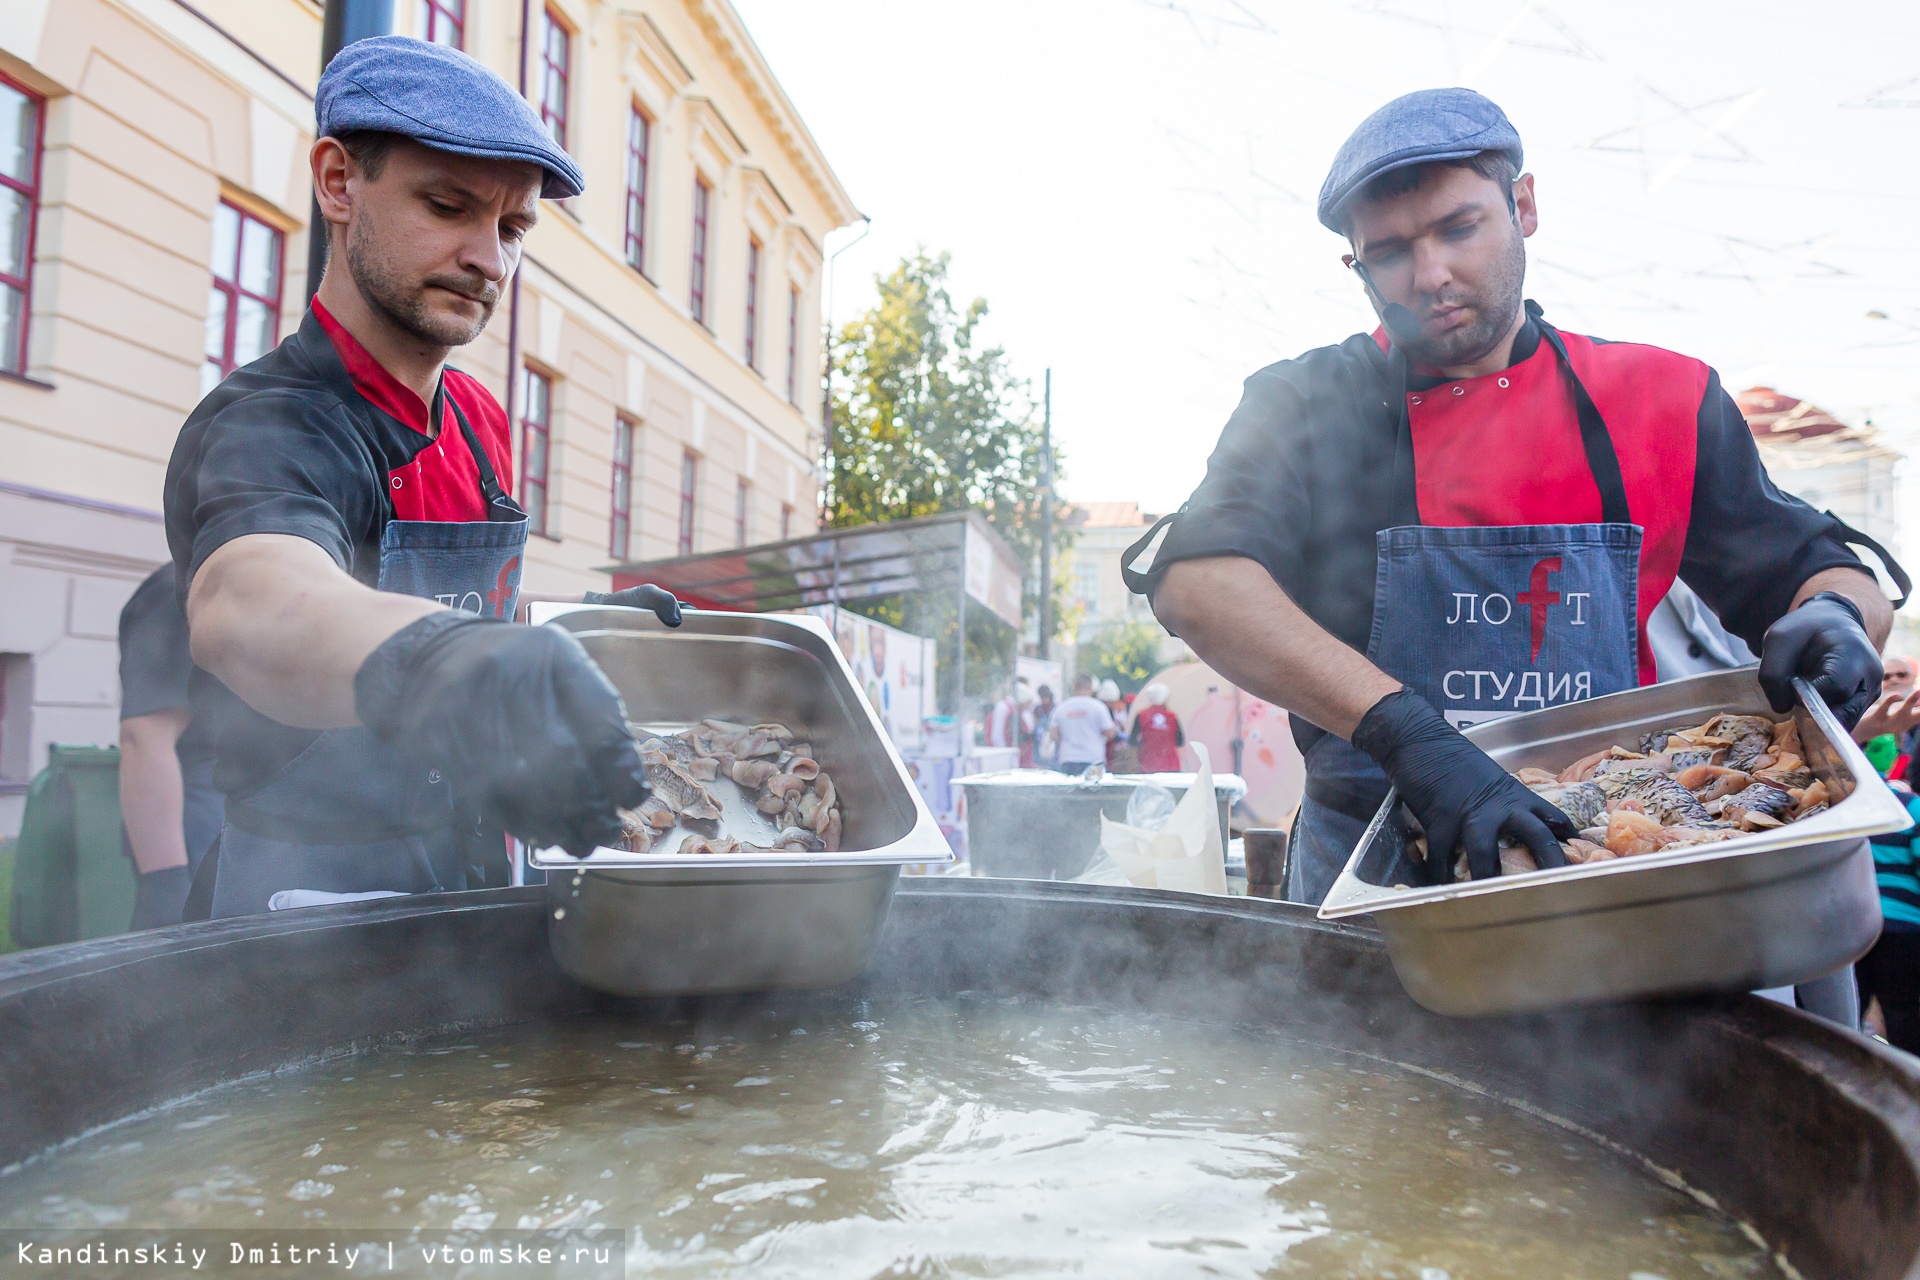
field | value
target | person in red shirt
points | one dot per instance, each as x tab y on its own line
1469	513
1157	732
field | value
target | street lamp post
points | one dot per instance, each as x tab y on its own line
826	378
344	22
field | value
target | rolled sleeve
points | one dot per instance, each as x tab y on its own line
274	462
155	662
1750	546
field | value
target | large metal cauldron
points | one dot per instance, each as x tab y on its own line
1810	1134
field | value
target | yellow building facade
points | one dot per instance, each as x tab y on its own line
154	195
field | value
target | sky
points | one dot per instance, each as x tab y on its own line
1130	186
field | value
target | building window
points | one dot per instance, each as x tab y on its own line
702	200
793	344
689	486
786	521
20	137
753	303
536	449
556	69
243	305
16	717
620	539
444	22
639	136
1086	585
742	509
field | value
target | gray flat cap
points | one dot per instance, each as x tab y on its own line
1418	128
443	99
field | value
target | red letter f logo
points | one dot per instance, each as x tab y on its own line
1537	598
503	592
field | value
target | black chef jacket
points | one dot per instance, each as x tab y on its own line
1301	481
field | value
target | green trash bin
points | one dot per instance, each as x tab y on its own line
72	878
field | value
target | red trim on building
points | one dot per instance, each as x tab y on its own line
689	499
753	303
620	531
697	275
556	74
639	144
536	449
444	22
21	282
232	289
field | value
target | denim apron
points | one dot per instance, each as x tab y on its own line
1483	622
349	814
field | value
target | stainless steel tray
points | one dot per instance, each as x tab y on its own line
783	668
1763	910
668	924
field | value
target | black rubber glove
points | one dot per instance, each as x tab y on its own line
1462	798
518	717
160	898
1825	643
645	596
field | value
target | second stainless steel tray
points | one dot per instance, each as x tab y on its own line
1764	910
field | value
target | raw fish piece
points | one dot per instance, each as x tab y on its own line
1582	802
778	732
1757	801
770	804
1581	850
1516	859
1662	797
1749	736
1582	769
757	743
636	833
830	837
1711	782
792	840
803	767
1812	800
709	844
1629	832
1537	778
1685	758
1788	771
753	773
785	784
1786	737
1680	837
677	788
704	769
657	813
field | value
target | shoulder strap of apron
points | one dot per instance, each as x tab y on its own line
1140	582
1853	537
499	505
1594	437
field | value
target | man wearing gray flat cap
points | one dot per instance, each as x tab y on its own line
345	541
1468	513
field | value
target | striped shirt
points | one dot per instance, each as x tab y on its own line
1895	856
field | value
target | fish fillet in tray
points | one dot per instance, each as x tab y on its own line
1765	909
670	923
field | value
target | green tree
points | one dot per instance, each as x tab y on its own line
927	420
1125	653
